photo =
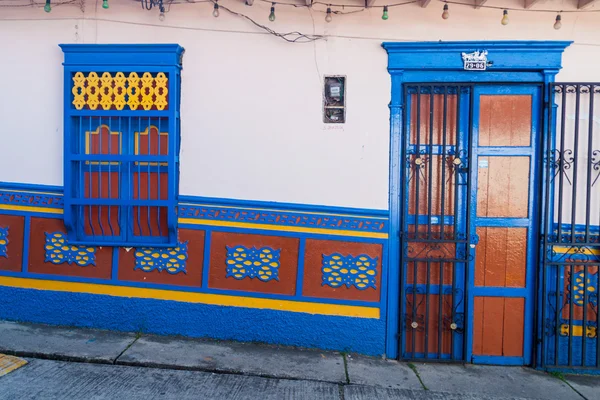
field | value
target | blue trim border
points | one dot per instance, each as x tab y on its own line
213	209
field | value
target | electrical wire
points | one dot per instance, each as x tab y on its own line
291	37
34	4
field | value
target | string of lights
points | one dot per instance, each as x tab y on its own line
297	37
505	19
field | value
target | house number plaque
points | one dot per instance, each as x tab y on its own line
476	61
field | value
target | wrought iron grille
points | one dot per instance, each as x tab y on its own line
571	229
121	164
435	245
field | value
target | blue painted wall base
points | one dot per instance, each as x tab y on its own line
162	317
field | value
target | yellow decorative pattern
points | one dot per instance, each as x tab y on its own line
118	91
172	259
242	262
360	271
580	287
591	331
58	251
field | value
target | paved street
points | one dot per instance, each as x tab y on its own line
45	379
69	363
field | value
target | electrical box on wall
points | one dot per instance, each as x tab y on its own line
334	100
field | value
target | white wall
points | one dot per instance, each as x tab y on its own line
251	103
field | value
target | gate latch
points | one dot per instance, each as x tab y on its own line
474	240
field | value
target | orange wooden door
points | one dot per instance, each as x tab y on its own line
505	136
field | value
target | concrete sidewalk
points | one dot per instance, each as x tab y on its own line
356	377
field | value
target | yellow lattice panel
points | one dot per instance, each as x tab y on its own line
117	90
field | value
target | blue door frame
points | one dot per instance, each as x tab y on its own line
513	62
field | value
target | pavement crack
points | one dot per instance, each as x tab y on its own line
414	369
126	348
561	377
341	390
344	357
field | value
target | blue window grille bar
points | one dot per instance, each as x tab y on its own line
121	144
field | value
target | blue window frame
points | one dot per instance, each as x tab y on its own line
121	144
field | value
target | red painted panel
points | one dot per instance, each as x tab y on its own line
101	220
313	275
193	275
431	326
14	248
575	286
425	128
288	263
442	174
153	144
37	253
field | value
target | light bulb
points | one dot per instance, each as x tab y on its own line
328	17
249	2
105	4
504	18
47	7
446	13
272	15
161	16
558	23
384	16
216	10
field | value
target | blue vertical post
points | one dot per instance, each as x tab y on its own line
396	180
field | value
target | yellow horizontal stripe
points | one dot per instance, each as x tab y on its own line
567	250
46	210
277	210
578	330
189	297
283	228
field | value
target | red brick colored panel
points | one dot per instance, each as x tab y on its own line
193	277
287	270
37	253
313	276
431	326
13	261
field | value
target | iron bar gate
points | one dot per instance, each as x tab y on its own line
571	229
435	221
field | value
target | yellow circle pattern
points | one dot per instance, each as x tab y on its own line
359	271
59	251
580	287
242	262
171	259
4	242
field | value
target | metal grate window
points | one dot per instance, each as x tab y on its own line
121	149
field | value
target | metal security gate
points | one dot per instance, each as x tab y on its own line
469	222
435	234
571	237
